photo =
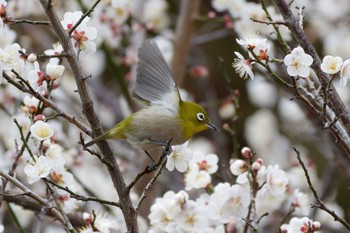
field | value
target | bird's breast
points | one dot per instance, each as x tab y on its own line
157	124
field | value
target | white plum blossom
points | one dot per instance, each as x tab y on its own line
120	3
238	167
54	152
41	130
345	73
61	176
301	203
30	104
83	35
298	63
179	158
99	223
205	162
155	15
243	67
301	225
275	178
35	76
196	178
331	65
10	58
57	49
259	46
40	168
266	202
3	4
221	5
228	202
53	69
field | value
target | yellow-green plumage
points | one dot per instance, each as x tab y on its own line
167	116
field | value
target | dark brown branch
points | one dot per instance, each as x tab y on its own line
27	21
129	212
319	204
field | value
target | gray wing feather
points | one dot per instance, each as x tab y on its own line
154	78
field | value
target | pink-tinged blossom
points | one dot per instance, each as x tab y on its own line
243	67
331	65
298	63
196	178
259	46
40	168
205	162
345	73
57	49
83	35
30	104
301	225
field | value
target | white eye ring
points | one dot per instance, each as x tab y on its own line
200	116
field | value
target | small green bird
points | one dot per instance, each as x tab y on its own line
167	116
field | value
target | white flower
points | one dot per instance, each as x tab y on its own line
193	218
53	69
41	130
221	5
103	224
83	35
41	168
54	152
266	202
331	65
258	45
31	103
298	63
301	203
243	67
57	49
9	58
228	202
179	158
205	162
69	204
345	73
301	225
196	178
120	3
276	180
238	167
2	228
61	176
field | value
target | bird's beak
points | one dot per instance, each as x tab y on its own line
212	126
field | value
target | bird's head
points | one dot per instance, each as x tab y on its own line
194	119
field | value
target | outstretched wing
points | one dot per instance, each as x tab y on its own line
154	82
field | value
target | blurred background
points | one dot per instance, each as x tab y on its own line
256	113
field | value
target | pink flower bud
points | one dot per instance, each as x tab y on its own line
211	14
246	152
260	161
39	117
316	225
199	71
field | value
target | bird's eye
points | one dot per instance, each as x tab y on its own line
200	116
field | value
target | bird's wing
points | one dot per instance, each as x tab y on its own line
154	82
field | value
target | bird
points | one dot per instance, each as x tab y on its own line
166	116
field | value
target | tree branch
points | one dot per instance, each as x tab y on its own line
184	30
130	215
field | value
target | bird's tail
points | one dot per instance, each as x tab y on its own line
97	139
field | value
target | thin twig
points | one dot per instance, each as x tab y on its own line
319	204
50	104
83	198
33	195
268	22
27	21
87	13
